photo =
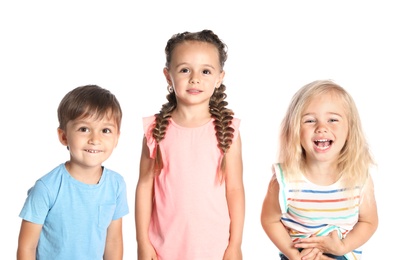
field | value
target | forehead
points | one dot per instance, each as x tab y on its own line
330	102
97	118
194	50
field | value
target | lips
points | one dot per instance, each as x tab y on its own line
93	151
194	91
323	143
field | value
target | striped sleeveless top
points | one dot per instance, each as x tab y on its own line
309	209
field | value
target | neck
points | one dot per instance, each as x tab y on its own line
191	118
322	174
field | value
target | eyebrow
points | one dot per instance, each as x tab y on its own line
329	113
188	64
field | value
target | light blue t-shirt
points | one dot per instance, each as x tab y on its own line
75	216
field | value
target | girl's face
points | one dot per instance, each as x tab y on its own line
90	140
194	72
324	129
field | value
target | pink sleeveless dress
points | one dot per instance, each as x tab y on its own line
190	219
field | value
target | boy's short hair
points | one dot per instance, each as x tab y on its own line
86	101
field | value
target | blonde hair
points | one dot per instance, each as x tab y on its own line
355	158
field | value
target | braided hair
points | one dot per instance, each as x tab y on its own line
217	104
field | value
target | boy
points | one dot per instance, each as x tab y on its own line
75	211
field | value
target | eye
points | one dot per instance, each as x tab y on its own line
206	72
84	129
184	70
107	131
333	120
308	121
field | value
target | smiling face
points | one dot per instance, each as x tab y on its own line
90	140
194	72
324	128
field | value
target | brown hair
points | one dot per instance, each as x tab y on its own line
217	105
86	101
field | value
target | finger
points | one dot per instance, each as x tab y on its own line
305	245
319	255
311	254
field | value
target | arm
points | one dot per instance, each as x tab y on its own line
144	204
271	222
235	199
114	241
28	240
359	235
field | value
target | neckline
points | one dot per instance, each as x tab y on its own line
320	185
185	127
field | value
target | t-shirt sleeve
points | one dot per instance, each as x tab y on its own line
148	125
37	204
122	208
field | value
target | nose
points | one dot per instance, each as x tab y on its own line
321	128
94	138
194	78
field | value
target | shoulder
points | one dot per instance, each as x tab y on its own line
46	188
278	175
113	176
148	125
148	120
54	176
235	125
236	122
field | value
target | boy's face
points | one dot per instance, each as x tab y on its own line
90	140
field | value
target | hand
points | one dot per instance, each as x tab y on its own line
327	244
310	254
233	253
147	252
324	257
313	254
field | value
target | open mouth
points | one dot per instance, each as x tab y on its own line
93	151
323	143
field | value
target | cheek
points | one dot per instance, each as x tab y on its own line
212	91
115	142
303	142
305	137
303	133
346	135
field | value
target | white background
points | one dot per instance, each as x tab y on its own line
48	48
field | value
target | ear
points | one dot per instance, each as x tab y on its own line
221	79
167	76
62	137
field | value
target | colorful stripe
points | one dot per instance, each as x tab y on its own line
309	209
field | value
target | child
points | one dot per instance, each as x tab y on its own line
75	211
321	197
190	195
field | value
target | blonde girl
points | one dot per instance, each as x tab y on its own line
320	202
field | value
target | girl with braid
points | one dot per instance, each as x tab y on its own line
190	197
